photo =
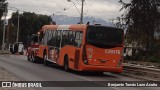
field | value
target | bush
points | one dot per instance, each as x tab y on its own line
154	59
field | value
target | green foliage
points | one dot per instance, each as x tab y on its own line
2	5
142	19
30	23
154	59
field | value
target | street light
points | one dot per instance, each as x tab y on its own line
81	19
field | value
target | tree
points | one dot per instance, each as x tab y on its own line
141	17
2	6
2	9
30	23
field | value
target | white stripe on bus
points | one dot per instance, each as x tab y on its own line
63	27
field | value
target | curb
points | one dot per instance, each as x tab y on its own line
138	77
4	52
145	73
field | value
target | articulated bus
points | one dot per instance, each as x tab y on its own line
83	47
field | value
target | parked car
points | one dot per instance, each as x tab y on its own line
17	48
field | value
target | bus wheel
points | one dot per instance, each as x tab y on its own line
66	64
45	60
34	58
28	57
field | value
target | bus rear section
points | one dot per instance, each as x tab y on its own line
103	49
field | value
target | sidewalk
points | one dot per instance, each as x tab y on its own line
7	76
5	52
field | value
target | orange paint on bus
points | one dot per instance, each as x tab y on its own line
84	56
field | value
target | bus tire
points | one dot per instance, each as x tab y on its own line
66	64
34	58
28	58
45	60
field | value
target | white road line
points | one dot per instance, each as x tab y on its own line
97	83
83	78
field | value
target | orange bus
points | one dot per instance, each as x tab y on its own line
83	47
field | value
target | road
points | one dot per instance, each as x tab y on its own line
28	71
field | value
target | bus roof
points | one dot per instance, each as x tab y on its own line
80	27
65	27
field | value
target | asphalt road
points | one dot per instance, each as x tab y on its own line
28	71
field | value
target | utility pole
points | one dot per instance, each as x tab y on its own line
81	17
81	20
18	27
4	27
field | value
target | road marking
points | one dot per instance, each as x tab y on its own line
96	83
115	88
83	78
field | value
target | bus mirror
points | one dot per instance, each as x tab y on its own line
88	23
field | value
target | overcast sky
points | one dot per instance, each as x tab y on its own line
106	9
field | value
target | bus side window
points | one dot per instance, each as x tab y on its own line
46	37
81	38
58	38
52	38
67	37
78	39
49	37
63	43
74	38
71	38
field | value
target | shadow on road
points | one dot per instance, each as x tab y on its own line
81	73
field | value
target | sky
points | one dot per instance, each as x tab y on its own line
105	9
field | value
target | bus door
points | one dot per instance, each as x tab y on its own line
54	46
75	41
77	44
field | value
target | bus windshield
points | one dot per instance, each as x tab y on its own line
34	38
104	36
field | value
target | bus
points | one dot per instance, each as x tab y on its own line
81	47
